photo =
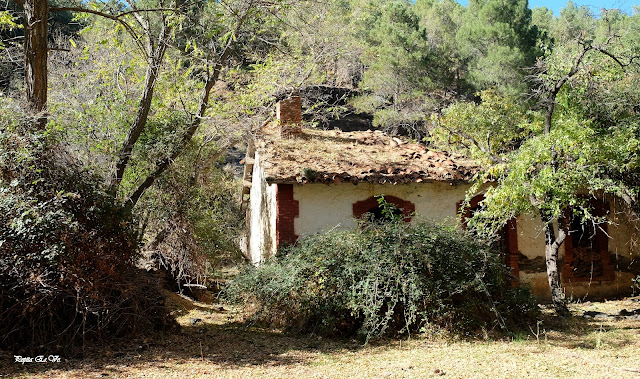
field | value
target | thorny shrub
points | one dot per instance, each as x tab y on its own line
66	252
384	279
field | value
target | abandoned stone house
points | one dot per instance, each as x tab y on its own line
299	181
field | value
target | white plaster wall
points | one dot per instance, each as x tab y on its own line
262	216
327	206
531	236
624	238
323	207
531	244
539	284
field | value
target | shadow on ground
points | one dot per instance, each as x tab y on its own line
607	329
223	345
209	335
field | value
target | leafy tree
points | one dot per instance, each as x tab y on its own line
441	21
545	161
210	45
404	69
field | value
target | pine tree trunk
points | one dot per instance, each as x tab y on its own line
36	13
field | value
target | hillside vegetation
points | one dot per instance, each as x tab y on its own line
119	121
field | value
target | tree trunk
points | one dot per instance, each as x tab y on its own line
552	245
162	165
154	61
36	13
212	79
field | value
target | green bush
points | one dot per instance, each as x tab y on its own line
383	279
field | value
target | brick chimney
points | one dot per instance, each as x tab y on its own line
289	113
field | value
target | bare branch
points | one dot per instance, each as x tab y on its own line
615	59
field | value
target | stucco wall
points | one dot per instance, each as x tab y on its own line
323	207
262	216
531	236
623	239
621	247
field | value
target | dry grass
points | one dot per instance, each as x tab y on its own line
211	344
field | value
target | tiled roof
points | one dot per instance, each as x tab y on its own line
323	156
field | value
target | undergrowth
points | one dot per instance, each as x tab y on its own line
385	279
67	251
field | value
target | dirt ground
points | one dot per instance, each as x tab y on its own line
210	343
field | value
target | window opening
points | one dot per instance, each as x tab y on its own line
378	214
403	209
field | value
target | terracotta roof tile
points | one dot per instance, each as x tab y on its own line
322	156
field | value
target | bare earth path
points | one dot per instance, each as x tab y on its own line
211	345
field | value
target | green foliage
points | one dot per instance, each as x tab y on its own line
389	211
7	22
96	95
385	278
484	131
498	41
194	217
398	55
403	67
537	172
67	251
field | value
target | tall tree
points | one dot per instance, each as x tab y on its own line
542	161
498	43
36	14
404	70
153	28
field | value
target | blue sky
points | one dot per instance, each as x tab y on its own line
595	5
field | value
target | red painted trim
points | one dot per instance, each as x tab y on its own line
287	210
509	233
513	256
466	212
406	207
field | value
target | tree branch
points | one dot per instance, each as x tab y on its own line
551	98
212	79
494	158
109	16
156	55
